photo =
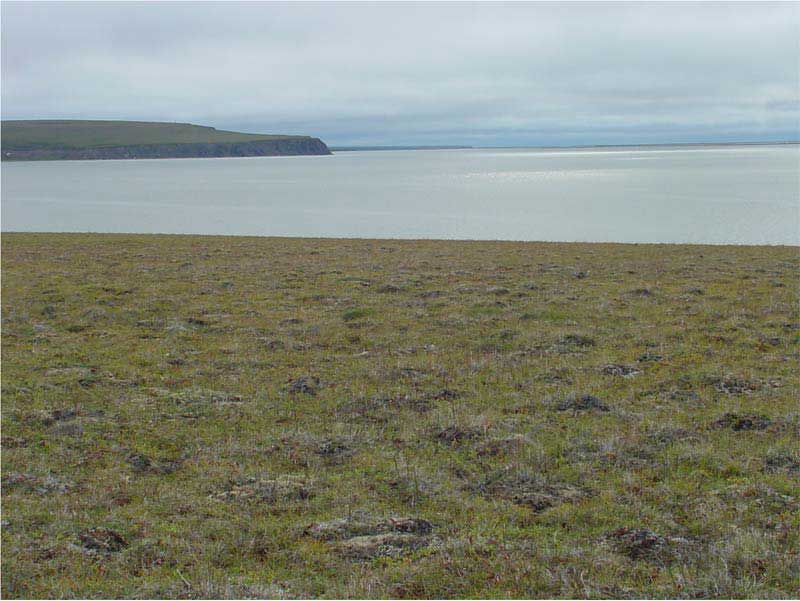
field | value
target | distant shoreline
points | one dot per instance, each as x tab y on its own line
583	146
335	239
660	145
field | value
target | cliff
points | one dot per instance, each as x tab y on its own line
95	140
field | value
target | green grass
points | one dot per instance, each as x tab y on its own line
185	416
92	134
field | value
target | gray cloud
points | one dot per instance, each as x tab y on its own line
414	73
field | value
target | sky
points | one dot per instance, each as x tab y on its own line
424	73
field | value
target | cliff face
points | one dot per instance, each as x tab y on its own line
258	148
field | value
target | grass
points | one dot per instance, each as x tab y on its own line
250	417
75	134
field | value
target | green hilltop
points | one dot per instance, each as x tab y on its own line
65	139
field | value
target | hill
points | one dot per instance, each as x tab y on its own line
53	140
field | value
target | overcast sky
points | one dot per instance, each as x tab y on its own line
414	73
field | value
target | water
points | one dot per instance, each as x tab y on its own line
731	194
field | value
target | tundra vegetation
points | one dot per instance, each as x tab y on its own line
190	416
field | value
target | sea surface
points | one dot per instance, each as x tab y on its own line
691	194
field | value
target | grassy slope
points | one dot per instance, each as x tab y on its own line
132	333
87	134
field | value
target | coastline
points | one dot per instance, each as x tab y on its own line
467	241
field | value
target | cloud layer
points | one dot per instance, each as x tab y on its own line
414	73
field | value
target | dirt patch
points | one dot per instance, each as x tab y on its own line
445	394
761	498
582	402
300	448
142	464
59	415
501	447
643	544
738	422
664	437
407	373
84	376
201	396
687	396
75	372
498	290
617	369
735	386
782	462
576	340
456	434
404	401
102	540
364	538
304	385
381	409
334	450
381	545
361	525
528	490
283	488
694	291
43	485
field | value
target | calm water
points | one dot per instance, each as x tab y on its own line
741	195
